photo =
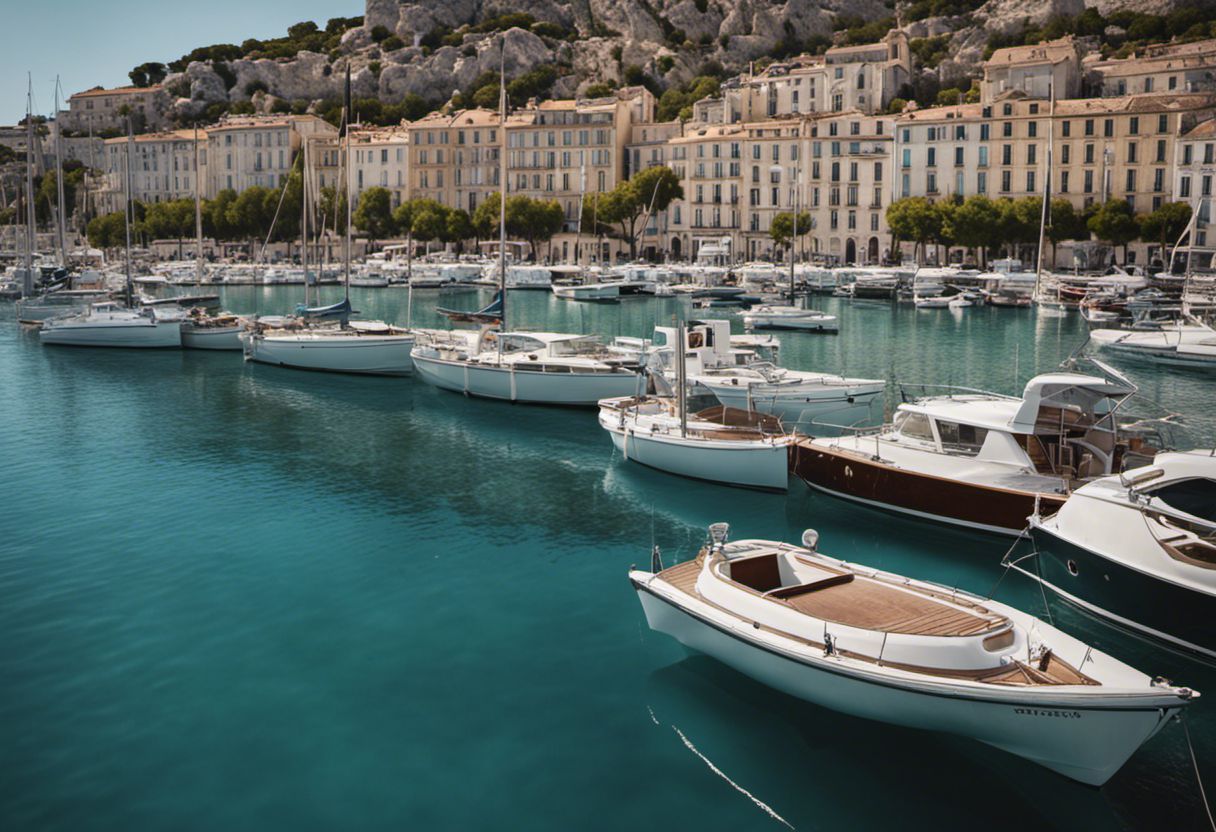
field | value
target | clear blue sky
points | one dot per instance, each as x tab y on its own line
87	42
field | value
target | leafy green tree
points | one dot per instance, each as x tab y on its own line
485	217
430	220
534	220
620	211
215	216
1114	223
459	228
1020	220
169	220
782	227
148	74
374	214
1165	225
914	219
332	203
107	231
250	214
1064	224
975	224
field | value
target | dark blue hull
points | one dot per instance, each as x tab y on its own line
1143	602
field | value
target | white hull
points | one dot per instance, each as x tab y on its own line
212	338
380	355
792	323
1072	735
138	334
594	291
493	382
748	464
804	406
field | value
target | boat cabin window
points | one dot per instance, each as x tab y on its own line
965	439
913	425
1196	497
576	346
521	343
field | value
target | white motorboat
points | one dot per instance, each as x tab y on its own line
359	347
110	325
894	649
587	291
811	402
932	302
960	302
717	444
1177	344
790	317
984	460
534	367
1139	548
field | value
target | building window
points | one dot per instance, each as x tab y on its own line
1161	150
981	182
1006	181
1158	180
1029	181
1184	187
931	157
1031	152
958	157
1064	154
1007	155
984	131
1186	154
1089	126
1108	127
1089	182
1063	181
1089	154
1007	129
1173	82
1032	129
1131	182
1131	153
1066	129
907	157
983	157
1163	123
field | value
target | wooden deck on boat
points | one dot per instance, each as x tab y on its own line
872	604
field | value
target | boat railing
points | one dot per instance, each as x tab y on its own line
924	391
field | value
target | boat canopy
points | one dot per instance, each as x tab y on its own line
341	309
491	313
1068	391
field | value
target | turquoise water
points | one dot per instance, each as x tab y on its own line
239	597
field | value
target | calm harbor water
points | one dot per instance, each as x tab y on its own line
238	597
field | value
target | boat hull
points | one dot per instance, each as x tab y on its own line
747	465
815	411
854	477
1127	596
1084	743
144	334
791	325
376	355
571	389
212	338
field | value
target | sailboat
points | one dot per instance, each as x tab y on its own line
718	444
324	337
534	367
111	324
202	331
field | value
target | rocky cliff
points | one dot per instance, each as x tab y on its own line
434	49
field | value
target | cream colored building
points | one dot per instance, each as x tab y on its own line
100	110
162	168
249	151
1194	174
380	159
1186	67
454	158
864	78
1035	70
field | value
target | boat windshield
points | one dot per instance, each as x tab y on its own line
913	425
577	346
1196	497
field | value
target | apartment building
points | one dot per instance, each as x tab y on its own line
1172	67
162	168
105	111
380	159
845	78
454	158
249	151
1036	70
942	151
649	146
1194	172
708	159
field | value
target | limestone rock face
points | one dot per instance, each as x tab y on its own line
1009	16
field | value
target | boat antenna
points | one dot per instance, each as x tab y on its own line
130	207
681	376
502	198
1046	212
198	214
346	137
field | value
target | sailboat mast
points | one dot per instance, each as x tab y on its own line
198	214
1046	212
61	213
681	376
304	168
31	240
349	195
502	176
128	213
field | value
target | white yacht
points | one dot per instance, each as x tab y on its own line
886	647
791	318
610	290
1179	344
57	304
202	331
346	346
1139	548
534	367
811	402
111	325
984	460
